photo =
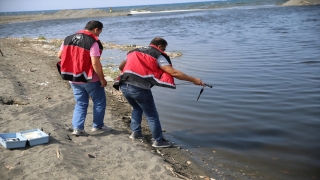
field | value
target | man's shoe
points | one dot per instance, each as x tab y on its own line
163	144
103	128
136	135
78	132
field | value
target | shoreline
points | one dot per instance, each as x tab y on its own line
301	3
34	96
62	14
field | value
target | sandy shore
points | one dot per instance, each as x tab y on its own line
301	2
33	95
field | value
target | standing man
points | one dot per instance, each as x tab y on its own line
143	68
80	64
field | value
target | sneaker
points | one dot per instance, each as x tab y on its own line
78	132
164	143
136	135
103	128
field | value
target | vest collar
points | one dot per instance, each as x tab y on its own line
89	34
158	49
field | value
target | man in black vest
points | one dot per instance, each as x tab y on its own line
144	68
80	64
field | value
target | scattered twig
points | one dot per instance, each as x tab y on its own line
1	52
69	138
179	175
9	167
58	154
175	160
67	128
76	142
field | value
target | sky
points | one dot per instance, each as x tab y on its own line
38	5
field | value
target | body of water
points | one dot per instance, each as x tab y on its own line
261	119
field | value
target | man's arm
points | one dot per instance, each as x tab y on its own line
97	67
60	51
59	54
122	64
180	75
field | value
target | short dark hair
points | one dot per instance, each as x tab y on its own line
91	25
159	41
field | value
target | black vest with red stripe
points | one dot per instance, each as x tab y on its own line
75	64
142	66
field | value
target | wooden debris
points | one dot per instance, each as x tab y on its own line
68	137
205	178
58	154
9	167
67	128
175	160
179	175
159	152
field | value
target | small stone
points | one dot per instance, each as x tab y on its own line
90	156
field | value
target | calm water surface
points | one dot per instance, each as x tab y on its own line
261	119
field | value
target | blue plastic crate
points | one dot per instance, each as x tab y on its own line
35	137
12	140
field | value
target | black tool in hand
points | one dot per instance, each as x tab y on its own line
210	86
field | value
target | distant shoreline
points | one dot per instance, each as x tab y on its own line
93	13
63	14
301	2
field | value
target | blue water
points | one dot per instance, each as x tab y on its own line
173	6
261	119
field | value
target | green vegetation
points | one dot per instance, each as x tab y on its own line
110	71
41	38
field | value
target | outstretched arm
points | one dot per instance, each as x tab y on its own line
180	75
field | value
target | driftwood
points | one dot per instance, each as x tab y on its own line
58	154
1	52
